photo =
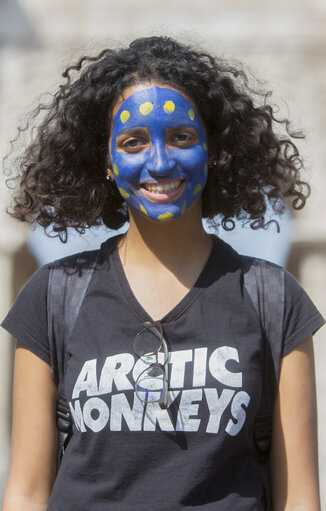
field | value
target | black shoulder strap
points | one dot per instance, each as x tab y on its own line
67	288
264	283
68	283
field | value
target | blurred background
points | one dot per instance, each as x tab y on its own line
283	43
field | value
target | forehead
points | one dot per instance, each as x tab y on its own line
155	105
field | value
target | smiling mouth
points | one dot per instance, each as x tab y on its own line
166	190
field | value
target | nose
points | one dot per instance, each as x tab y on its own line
159	164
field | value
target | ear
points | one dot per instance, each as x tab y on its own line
110	175
212	161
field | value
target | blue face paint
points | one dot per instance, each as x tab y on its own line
159	153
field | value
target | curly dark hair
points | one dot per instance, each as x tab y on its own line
61	178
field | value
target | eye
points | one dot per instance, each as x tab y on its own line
133	144
183	139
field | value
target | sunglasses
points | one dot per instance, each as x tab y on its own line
151	385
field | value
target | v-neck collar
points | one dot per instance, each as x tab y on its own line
184	303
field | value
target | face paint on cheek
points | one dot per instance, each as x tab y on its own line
165	176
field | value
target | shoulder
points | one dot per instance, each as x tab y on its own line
36	288
284	297
79	259
278	283
245	262
275	292
28	318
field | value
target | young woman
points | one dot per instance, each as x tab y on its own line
165	364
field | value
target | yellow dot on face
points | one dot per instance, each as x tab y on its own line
169	107
184	205
197	189
191	114
115	169
124	116
146	108
205	170
205	146
143	210
165	216
124	194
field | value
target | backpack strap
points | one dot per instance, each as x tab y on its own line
264	283
68	282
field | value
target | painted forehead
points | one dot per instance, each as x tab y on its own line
146	107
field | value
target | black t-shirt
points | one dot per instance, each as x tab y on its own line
200	452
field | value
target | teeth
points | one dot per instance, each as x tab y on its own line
164	188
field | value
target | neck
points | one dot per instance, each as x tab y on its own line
174	244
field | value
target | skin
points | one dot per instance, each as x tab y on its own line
34	435
169	257
294	456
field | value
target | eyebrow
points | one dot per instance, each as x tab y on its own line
141	129
133	131
182	126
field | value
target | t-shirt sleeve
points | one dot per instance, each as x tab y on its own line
27	319
301	318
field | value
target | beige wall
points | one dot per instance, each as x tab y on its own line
285	44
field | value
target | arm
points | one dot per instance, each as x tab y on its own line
294	459
34	435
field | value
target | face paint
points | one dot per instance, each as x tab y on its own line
159	153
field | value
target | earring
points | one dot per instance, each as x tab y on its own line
109	175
